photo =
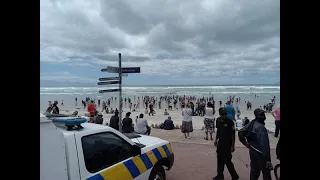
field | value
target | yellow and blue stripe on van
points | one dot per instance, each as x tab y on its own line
132	168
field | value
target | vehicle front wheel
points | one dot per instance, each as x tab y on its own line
157	173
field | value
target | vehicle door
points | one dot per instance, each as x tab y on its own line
106	155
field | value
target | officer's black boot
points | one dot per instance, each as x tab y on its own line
218	177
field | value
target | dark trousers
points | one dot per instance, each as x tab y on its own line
224	158
148	130
258	164
277	128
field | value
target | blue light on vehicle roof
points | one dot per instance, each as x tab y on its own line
69	121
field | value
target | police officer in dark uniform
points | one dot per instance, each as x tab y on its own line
224	142
255	136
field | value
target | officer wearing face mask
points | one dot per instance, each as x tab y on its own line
255	137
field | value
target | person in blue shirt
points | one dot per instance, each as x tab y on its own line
231	113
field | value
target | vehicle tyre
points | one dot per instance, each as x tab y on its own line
277	171
157	173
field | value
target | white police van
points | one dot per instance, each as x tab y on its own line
72	149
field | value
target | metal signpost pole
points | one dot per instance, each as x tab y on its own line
123	72
120	94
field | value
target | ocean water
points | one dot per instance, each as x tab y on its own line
68	94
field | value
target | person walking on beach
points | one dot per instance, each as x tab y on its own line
151	109
276	114
224	142
238	112
186	127
130	106
55	108
231	113
209	120
255	137
91	110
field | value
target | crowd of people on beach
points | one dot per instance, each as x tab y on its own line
252	134
189	105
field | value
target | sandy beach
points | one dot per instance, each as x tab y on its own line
176	116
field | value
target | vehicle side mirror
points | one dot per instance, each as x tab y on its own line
135	151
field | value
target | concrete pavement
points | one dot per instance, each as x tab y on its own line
199	162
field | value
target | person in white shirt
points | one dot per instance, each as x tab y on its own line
239	124
209	120
186	127
142	126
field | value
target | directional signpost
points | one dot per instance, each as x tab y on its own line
108	78
108	82
123	72
109	90
111	69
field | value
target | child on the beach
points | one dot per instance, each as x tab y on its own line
239	124
165	112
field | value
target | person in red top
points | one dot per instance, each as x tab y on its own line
91	109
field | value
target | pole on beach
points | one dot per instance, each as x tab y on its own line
120	94
117	80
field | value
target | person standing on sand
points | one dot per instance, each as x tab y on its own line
186	127
224	142
231	113
276	114
91	110
55	108
209	120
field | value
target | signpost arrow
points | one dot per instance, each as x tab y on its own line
109	90
131	70
111	69
108	82
109	78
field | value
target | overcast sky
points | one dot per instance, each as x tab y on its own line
174	42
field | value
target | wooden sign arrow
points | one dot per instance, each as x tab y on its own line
108	78
111	69
109	90
108	82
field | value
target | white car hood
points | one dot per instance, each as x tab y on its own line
149	140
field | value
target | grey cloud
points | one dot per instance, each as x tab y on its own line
229	38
